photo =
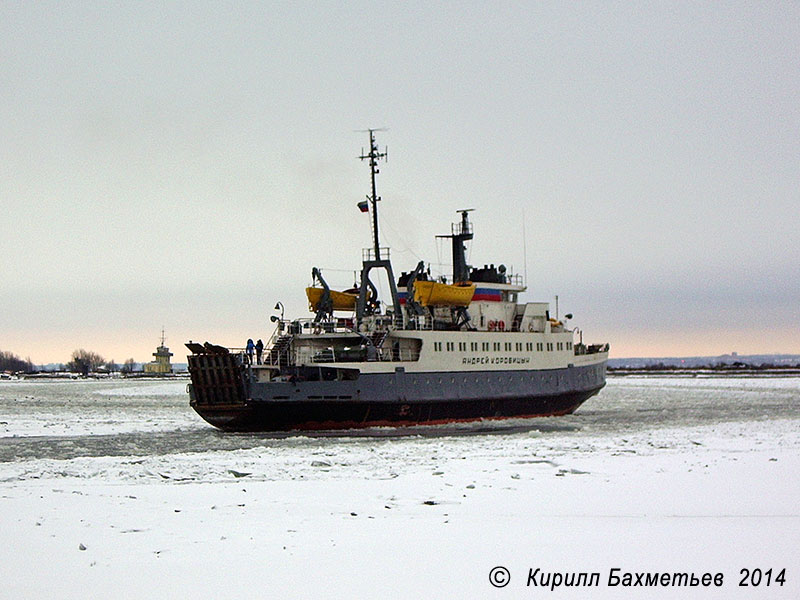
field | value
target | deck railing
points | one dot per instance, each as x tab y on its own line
368	254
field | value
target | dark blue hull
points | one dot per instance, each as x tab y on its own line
395	399
348	414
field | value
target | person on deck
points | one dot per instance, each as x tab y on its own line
259	351
249	349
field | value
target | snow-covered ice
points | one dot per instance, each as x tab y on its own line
118	489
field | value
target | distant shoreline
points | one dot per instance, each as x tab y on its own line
705	372
66	376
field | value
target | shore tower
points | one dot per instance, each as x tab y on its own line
161	365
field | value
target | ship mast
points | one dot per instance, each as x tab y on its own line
367	303
374	156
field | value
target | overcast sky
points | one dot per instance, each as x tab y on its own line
186	164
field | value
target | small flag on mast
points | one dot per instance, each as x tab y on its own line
363	206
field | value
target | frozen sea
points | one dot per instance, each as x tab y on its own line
118	487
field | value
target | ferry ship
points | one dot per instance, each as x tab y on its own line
436	351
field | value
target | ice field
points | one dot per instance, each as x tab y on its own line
116	487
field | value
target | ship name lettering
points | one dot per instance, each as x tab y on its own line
495	360
475	360
554	580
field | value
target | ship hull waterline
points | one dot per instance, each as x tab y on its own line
318	415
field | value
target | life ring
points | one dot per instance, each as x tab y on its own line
501	326
492	325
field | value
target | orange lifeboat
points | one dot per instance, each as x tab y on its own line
433	293
341	300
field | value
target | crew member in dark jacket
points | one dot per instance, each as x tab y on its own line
249	349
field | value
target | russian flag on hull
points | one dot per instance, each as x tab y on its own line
487	295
